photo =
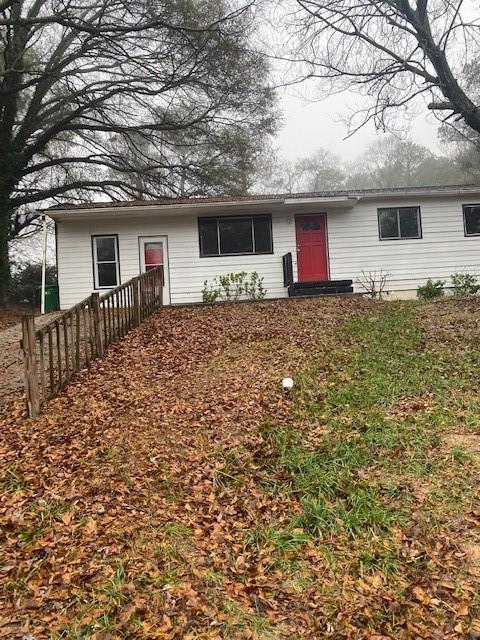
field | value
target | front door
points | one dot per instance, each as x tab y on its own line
154	253
312	253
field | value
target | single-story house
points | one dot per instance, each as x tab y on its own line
299	243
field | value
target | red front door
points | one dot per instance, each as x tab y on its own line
312	255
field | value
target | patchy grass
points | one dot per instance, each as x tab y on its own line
13	480
174	491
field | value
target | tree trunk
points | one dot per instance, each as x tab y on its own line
5	213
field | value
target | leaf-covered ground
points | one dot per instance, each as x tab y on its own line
11	358
11	315
173	491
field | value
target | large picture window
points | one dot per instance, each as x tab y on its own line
399	223
106	269
471	219
235	235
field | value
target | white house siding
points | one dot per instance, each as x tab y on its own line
354	243
187	270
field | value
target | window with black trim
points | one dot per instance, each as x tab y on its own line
235	235
471	219
399	223
106	270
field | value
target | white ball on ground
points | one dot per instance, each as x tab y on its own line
287	384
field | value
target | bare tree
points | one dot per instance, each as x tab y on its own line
456	130
321	171
82	81
388	162
392	51
391	162
458	134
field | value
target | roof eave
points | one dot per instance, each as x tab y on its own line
98	212
288	201
331	201
428	193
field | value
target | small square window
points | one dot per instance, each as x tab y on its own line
471	219
399	223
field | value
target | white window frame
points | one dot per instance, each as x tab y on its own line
399	236
96	282
464	208
254	251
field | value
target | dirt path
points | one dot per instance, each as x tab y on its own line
11	360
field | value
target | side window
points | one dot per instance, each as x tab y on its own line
106	268
399	223
471	219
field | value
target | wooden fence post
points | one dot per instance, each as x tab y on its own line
136	302
30	362
97	324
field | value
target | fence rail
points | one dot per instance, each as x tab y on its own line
54	353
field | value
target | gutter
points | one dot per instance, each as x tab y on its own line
419	194
348	200
97	211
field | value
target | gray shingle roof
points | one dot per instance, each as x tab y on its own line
341	193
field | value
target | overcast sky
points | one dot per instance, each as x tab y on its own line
310	125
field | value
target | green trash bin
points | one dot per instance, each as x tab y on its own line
51	297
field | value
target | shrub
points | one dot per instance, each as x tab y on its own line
209	292
233	287
464	284
373	283
431	290
26	280
254	288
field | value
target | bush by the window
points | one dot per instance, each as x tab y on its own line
210	292
431	289
254	288
234	286
464	284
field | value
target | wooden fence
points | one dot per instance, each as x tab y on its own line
54	353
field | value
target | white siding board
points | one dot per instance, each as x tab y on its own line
443	249
353	245
187	270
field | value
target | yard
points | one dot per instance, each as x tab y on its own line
11	316
173	491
